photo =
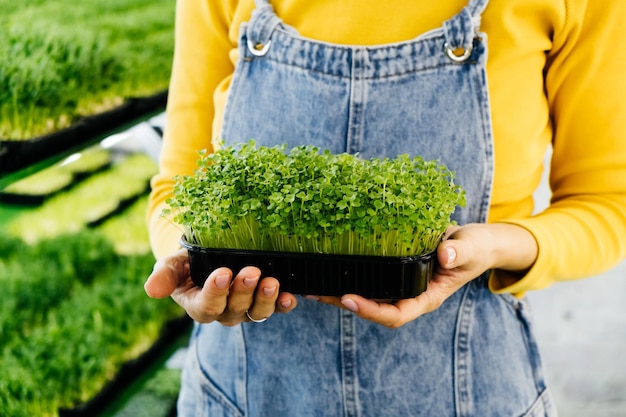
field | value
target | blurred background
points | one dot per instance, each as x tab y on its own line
581	327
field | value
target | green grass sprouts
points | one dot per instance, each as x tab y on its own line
307	200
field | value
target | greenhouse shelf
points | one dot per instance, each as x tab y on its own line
25	155
137	384
135	374
154	393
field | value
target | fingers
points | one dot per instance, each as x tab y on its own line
167	274
263	305
208	303
450	231
285	302
222	298
260	298
250	293
392	315
459	261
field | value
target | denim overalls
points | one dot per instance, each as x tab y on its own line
474	356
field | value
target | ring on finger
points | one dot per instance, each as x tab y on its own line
254	320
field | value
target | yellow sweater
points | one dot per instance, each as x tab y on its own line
556	74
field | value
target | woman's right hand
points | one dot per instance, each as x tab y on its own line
222	298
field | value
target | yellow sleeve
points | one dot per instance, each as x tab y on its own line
583	232
201	61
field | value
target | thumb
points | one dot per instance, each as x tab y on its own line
447	255
167	274
161	283
464	250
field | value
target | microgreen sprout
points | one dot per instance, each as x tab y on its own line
308	200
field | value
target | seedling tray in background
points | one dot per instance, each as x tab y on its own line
376	277
30	199
38	198
132	371
18	154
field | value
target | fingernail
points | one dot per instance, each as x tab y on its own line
350	305
269	291
285	303
451	255
222	281
250	282
312	297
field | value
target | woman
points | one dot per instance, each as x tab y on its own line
483	86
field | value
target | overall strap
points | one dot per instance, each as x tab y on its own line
461	30
476	7
261	25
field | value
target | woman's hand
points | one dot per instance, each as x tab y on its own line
221	298
464	254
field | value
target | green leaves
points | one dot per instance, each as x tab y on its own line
72	312
60	61
97	196
250	197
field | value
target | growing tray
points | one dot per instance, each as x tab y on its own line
18	154
36	199
30	199
130	371
376	277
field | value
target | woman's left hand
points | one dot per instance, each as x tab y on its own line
464	254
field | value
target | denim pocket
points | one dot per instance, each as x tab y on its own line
211	401
513	301
543	407
209	391
496	353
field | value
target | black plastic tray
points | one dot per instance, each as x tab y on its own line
18	154
38	199
376	277
29	199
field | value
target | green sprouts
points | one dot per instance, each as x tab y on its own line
61	61
307	200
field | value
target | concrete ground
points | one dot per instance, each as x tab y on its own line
581	327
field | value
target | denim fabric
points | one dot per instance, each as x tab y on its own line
474	356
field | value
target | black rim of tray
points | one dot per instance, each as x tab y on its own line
18	154
377	277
